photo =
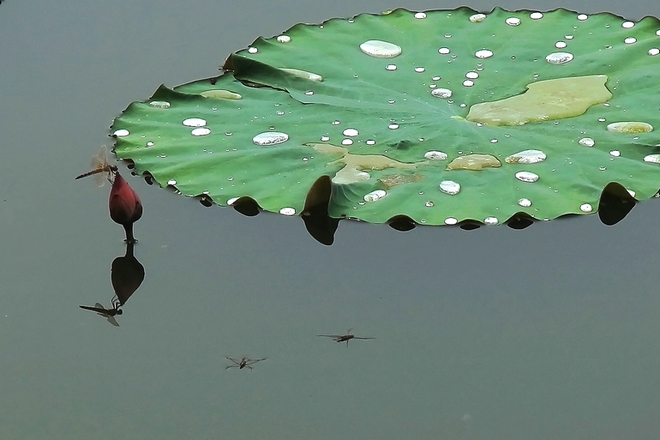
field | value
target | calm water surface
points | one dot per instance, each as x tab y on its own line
546	333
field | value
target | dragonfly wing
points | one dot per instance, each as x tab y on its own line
98	308
99	178
100	160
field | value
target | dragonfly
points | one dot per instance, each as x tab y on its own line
109	314
243	362
345	337
101	169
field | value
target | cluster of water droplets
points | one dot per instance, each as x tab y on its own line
388	51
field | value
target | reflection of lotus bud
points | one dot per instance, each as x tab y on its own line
125	206
127	274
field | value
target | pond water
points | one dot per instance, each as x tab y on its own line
550	332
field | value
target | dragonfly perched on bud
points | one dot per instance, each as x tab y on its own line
124	204
101	169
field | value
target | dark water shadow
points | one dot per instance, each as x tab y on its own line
615	203
126	275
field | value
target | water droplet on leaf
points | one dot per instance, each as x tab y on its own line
474	162
526	176
449	187
200	131
270	138
304	74
435	155
220	94
526	156
380	49
559	57
194	122
441	93
587	142
630	127
160	104
652	158
375	195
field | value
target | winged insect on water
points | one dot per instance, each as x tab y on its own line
243	362
345	337
109	314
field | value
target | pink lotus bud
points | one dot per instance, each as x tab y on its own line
125	206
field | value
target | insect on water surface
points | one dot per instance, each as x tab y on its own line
345	337
109	314
243	362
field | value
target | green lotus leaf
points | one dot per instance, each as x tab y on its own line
441	116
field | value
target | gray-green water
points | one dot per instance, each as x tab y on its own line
546	333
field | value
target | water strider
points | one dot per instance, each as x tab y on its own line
344	338
243	362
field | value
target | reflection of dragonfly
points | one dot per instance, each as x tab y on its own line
344	338
243	362
109	314
101	169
